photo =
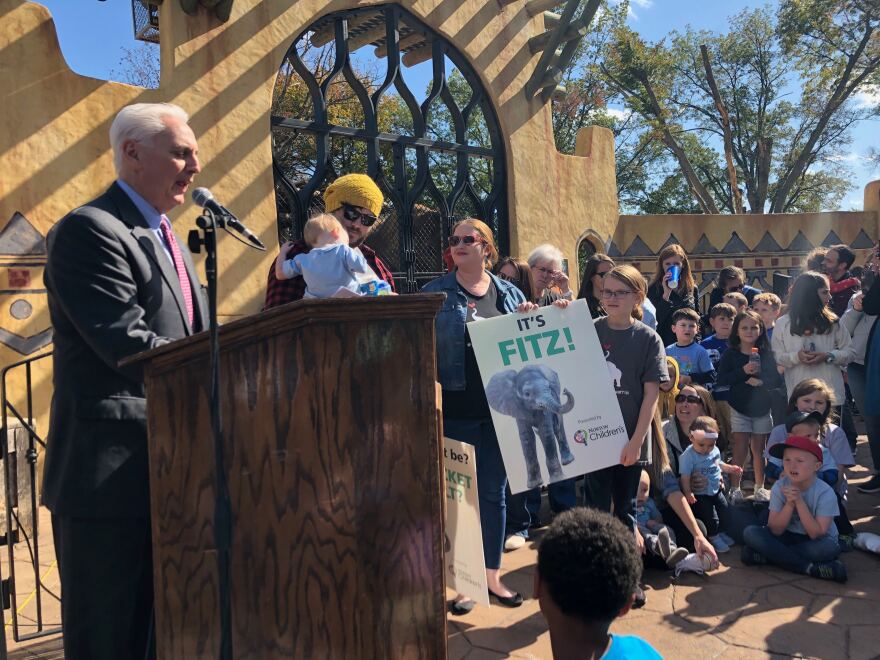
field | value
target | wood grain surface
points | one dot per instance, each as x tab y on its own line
333	458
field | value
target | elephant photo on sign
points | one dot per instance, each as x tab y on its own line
532	397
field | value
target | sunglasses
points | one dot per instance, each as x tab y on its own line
351	214
507	278
689	398
467	240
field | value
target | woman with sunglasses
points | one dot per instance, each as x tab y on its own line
730	279
692	401
596	268
474	293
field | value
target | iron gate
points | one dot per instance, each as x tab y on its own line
436	161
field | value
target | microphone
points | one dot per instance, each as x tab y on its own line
205	198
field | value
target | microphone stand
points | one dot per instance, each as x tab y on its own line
208	223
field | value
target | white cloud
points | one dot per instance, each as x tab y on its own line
641	4
869	97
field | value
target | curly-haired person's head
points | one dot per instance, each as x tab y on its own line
589	566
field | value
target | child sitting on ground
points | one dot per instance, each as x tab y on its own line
659	539
738	300
693	360
815	395
588	571
330	265
800	535
703	457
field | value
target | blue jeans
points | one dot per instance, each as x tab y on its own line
793	552
523	509
491	481
858	380
712	511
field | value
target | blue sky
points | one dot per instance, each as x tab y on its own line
93	34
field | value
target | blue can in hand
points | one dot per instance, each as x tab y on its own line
674	273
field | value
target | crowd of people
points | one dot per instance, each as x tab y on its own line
698	393
748	392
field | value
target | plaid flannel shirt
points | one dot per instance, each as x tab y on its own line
281	292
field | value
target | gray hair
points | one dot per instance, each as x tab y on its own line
546	252
140	122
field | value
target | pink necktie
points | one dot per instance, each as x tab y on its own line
171	241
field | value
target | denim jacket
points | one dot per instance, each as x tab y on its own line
450	325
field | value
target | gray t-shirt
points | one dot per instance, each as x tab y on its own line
820	500
634	356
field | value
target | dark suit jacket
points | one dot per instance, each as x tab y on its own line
112	293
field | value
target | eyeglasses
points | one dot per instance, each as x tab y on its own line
611	295
351	214
546	271
689	398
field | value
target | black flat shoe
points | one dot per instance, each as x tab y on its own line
461	607
508	601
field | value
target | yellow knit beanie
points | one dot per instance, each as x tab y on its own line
356	190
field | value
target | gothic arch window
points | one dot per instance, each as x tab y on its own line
376	91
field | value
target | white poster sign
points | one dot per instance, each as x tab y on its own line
550	392
465	564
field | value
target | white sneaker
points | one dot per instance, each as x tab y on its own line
736	496
761	495
693	563
514	542
719	544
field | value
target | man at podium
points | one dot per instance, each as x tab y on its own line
356	201
119	282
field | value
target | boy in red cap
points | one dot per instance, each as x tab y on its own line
800	535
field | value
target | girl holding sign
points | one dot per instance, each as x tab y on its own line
473	293
637	365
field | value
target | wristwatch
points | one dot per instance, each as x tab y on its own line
829	358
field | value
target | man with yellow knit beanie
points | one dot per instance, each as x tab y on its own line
356	201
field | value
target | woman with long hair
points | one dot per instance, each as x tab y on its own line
595	270
473	292
808	341
731	279
518	273
667	299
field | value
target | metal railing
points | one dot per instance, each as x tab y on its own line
16	529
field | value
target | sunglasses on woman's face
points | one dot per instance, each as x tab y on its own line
467	240
351	214
506	278
688	398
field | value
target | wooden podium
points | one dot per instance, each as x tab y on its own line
333	456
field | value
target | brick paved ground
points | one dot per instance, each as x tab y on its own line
736	612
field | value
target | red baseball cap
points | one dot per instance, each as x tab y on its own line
798	442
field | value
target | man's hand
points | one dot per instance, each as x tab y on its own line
282	257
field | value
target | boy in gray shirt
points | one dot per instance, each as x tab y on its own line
800	535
